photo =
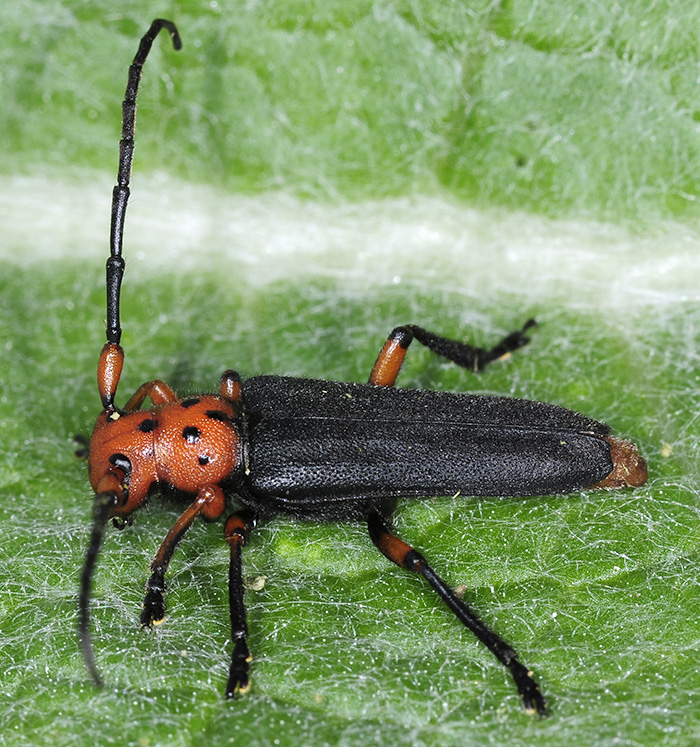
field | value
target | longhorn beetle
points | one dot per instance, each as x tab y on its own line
323	450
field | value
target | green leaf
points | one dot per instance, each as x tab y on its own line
308	175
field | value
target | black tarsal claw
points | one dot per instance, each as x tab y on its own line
153	611
238	682
533	700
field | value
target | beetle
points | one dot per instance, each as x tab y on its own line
323	450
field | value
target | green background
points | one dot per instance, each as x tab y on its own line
307	176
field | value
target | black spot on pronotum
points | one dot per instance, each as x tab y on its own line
217	415
204	460
191	434
190	402
147	425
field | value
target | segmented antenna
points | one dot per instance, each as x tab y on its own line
111	358
103	504
120	194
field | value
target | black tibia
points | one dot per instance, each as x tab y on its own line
469	356
236	530
406	557
120	194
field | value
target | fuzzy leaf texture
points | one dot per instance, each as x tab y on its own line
307	176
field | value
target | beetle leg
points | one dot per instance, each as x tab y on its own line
158	391
82	446
406	557
388	364
210	502
236	530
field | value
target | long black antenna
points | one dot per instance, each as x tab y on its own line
120	194
112	356
103	504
